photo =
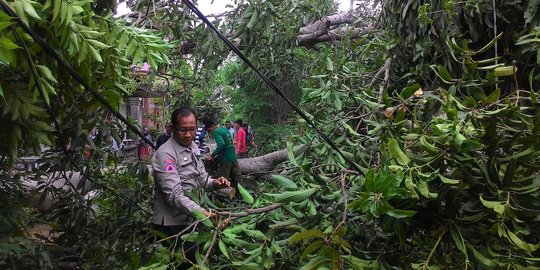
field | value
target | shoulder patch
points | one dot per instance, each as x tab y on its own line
169	167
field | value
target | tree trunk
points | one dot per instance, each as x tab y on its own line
265	164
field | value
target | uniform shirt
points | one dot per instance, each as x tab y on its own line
177	170
224	145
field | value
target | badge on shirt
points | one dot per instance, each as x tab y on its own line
169	167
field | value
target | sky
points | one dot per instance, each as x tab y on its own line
208	7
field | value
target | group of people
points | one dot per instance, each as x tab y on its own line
179	170
243	137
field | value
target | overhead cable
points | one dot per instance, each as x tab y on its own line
270	83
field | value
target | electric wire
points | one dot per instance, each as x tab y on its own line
270	83
50	51
53	116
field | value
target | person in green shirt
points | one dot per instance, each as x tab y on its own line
228	163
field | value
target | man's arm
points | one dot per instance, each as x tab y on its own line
220	144
168	181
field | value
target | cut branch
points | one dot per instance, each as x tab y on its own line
326	22
386	77
333	35
265	163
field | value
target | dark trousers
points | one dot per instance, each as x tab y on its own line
231	171
188	248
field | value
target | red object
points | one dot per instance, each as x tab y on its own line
240	142
145	151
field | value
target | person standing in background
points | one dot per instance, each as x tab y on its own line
230	128
145	149
224	154
240	139
165	136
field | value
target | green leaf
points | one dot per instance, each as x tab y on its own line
46	72
290	153
496	206
311	248
7	44
245	194
293	196
95	54
29	9
329	64
505	71
206	221
253	20
409	90
442	73
520	243
428	146
494	96
315	263
509	174
98	44
423	188
223	249
4	25
489	45
284	182
299	236
399	213
458	240
448	180
397	153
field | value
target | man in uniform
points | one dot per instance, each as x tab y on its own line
178	170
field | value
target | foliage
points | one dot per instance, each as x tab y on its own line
270	138
447	144
99	48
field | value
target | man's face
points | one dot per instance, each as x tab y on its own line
185	130
235	125
228	125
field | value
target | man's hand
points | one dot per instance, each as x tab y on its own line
214	218
221	182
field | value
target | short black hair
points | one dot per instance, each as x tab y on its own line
183	112
208	123
239	121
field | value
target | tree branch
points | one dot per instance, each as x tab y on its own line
333	35
386	77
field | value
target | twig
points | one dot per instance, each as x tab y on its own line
386	78
251	211
379	73
426	263
495	36
214	238
180	233
345	199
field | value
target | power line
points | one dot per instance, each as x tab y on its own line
50	51
74	74
270	83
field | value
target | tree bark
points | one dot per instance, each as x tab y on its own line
266	163
341	33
